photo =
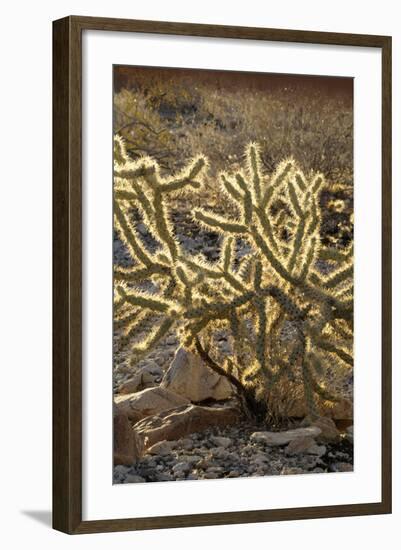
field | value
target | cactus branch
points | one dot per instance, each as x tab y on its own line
254	298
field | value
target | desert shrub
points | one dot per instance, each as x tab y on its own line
313	126
144	130
285	319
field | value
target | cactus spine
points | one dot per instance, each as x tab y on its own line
276	286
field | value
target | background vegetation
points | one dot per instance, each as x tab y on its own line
173	114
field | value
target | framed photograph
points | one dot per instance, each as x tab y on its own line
222	275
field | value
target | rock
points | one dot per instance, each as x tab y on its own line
126	445
148	376
118	478
184	420
260	459
350	434
121	470
190	459
162	448
216	469
141	228
219	452
211	475
329	431
148	402
181	468
190	377
340	410
221	441
274	439
134	479
342	457
290	471
186	444
164	477
225	347
203	464
304	445
341	467
130	386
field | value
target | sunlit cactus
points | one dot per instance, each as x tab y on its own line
283	316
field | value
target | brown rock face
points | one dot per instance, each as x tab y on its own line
329	432
190	377
276	439
127	447
341	410
182	421
148	376
148	402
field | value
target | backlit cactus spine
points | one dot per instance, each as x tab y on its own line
255	299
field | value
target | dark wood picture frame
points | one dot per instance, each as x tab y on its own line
67	278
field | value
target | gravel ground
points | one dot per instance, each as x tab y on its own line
230	453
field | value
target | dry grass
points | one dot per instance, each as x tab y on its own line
173	119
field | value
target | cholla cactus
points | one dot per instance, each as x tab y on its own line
284	318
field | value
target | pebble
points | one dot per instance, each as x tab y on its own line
121	470
141	227
219	452
305	445
221	441
350	434
192	459
186	444
165	477
341	467
211	475
289	471
134	479
181	468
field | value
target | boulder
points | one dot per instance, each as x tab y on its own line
148	402
340	410
182	421
329	431
148	376
305	445
126	444
276	439
190	377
